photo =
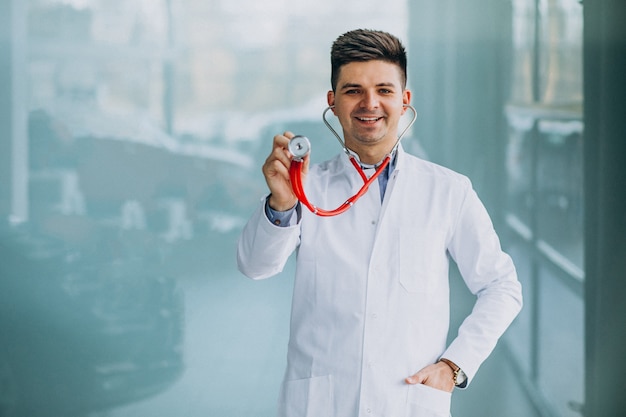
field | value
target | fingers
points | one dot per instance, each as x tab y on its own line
415	379
276	168
280	152
276	172
435	376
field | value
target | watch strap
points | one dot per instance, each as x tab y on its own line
455	369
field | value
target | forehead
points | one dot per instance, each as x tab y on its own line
369	73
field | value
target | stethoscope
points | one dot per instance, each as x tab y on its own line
300	146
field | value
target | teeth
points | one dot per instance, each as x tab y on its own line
368	119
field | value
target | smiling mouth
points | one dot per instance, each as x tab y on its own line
369	119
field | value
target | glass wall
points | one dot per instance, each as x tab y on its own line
544	201
145	126
500	96
131	139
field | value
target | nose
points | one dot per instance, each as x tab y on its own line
369	101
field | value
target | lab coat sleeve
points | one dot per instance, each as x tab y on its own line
263	248
490	275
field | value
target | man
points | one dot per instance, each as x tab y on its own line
370	312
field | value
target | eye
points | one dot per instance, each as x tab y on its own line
385	91
352	91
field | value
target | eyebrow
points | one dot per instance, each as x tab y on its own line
354	85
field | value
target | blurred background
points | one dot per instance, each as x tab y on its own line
131	139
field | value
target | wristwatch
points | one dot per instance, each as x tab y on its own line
459	375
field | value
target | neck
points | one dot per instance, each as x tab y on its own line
370	159
372	154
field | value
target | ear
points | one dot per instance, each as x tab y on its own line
406	99
330	98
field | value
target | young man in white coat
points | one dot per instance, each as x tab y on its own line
370	308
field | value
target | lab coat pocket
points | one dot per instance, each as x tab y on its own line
309	397
425	401
418	270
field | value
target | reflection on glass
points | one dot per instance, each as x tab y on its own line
88	317
545	201
520	335
559	202
523	31
519	168
560	48
561	329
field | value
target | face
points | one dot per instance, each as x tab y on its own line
369	101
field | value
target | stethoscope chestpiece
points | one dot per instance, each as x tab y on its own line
299	147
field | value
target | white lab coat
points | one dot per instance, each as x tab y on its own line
371	298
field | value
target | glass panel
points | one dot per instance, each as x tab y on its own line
95	68
519	336
560	199
523	51
560	48
519	169
561	351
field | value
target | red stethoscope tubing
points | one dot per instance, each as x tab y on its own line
295	174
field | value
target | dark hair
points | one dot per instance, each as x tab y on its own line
363	45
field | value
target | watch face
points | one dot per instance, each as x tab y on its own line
459	377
